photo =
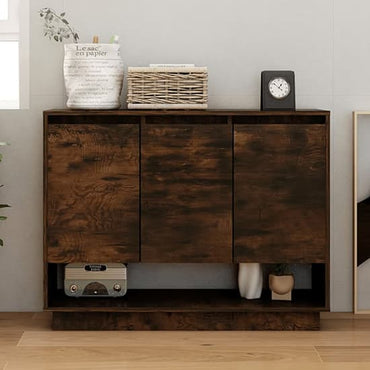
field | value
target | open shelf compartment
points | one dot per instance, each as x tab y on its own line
188	300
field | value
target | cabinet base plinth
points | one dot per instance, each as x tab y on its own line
186	321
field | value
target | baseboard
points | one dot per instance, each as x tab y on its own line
344	316
186	321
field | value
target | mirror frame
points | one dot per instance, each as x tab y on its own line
356	115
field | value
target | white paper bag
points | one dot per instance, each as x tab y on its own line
93	75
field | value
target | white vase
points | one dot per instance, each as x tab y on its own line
250	280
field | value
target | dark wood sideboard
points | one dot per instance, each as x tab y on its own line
186	186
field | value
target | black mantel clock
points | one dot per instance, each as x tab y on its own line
277	90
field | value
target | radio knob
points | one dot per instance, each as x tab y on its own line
73	288
117	287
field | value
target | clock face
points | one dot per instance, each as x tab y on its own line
279	88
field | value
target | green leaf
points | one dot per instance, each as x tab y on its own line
3	218
4	205
62	14
1	243
65	21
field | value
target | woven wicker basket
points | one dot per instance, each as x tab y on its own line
167	88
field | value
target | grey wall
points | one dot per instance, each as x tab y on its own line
324	41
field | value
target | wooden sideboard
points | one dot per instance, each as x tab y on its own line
186	186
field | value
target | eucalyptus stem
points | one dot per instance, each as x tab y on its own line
68	26
56	26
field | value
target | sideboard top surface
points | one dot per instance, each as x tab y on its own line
210	112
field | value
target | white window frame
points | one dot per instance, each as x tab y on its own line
9	28
16	28
6	8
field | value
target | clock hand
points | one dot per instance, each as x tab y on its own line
277	86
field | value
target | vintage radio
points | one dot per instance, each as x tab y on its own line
95	280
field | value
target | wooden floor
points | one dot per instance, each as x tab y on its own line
26	342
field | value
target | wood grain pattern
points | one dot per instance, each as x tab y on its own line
339	345
93	193
280	193
188	300
338	335
120	352
186	190
185	321
10	336
92	209
315	113
176	365
20	321
344	353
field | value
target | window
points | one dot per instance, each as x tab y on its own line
14	54
3	10
9	75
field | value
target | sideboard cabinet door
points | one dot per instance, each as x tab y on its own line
92	193
186	184
280	201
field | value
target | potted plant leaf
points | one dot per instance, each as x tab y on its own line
2	205
281	282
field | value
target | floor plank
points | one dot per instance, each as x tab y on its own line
345	325
27	343
10	337
344	354
25	321
113	365
162	353
257	339
344	315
